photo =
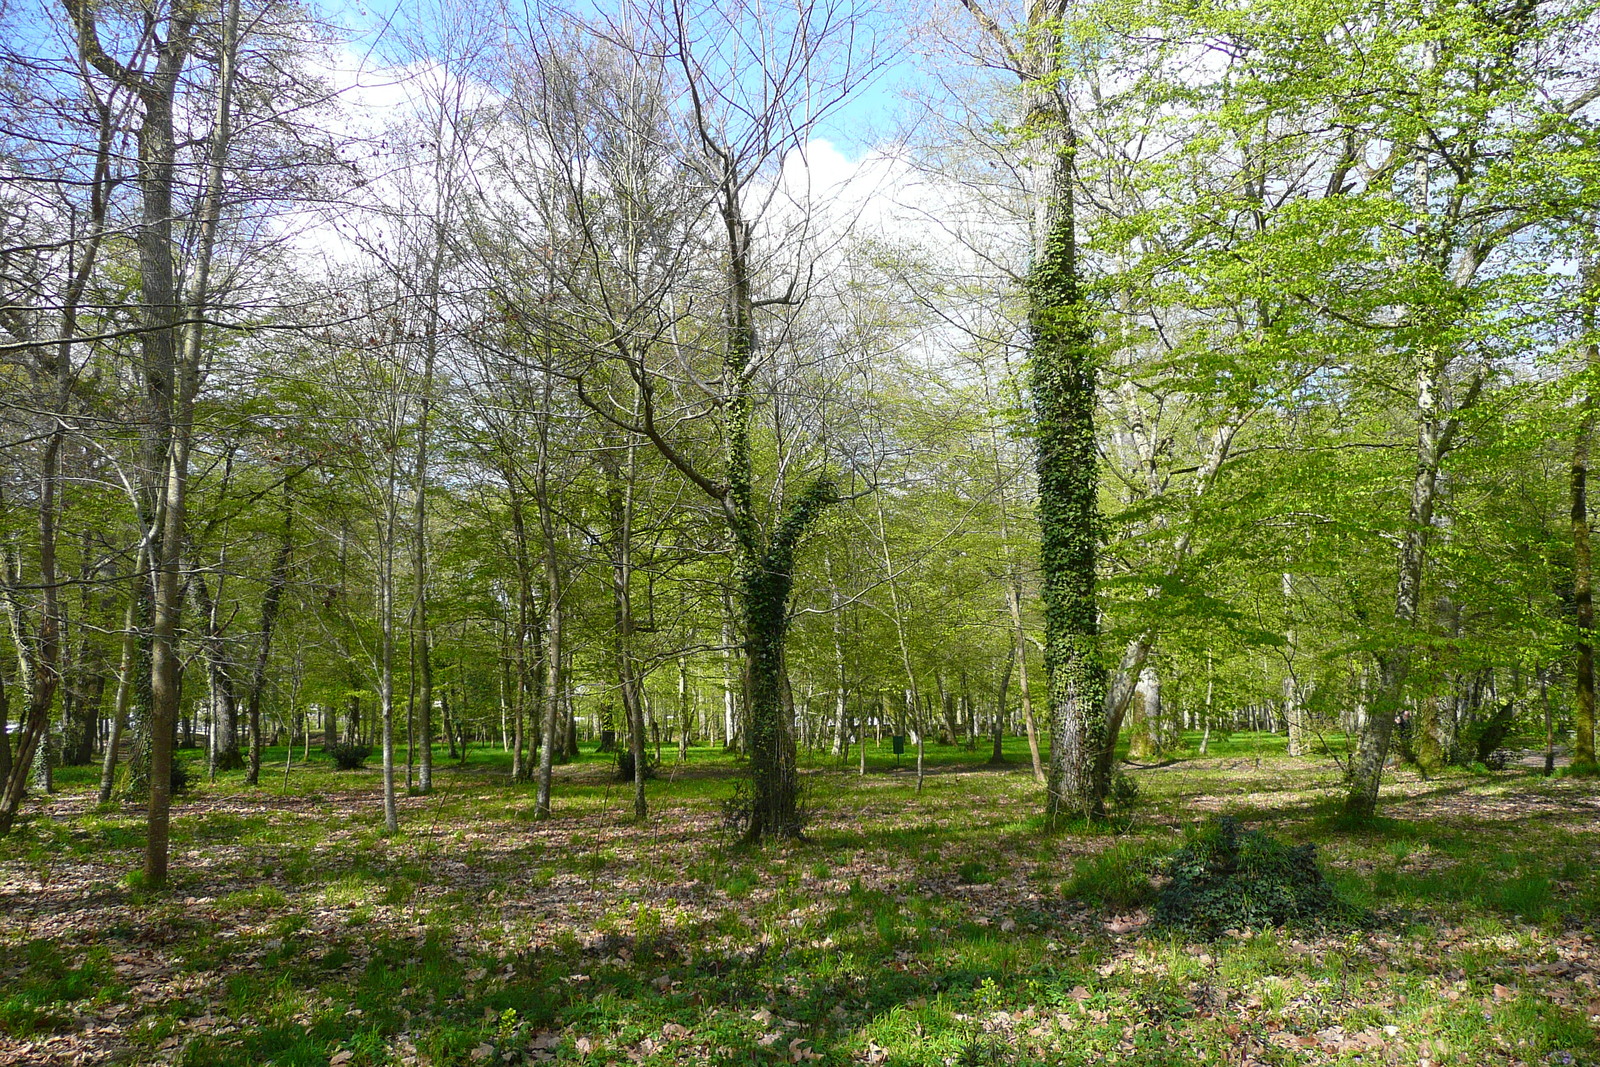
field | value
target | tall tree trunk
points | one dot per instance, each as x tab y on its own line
841	724
387	536
1435	434
765	586
551	711
685	711
730	705
621	474
1062	381
1583	754
38	663
998	756
171	376
276	580
518	686
224	735
912	696
554	588
421	633
1024	687
5	733
1293	708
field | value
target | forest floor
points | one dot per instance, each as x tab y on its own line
946	927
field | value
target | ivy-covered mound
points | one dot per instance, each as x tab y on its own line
1228	878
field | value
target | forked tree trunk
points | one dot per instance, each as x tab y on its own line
1434	437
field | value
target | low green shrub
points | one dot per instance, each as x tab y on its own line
1228	878
625	766
1124	792
347	756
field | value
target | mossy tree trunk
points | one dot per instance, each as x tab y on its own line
1583	755
1061	379
1062	383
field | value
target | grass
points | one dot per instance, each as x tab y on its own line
945	928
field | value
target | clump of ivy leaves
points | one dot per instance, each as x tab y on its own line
1230	878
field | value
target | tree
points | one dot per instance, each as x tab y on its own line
746	111
1583	759
1062	390
46	280
172	333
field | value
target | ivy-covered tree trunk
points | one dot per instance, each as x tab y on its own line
764	597
1583	755
1062	381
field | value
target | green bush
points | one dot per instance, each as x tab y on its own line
1124	792
346	756
625	766
1227	878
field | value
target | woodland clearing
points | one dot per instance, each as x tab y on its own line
948	927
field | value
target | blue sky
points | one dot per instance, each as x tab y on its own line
862	122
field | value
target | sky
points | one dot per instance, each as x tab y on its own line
864	121
850	165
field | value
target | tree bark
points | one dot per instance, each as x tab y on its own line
388	533
171	351
841	724
1062	383
421	634
621	477
224	734
998	727
276	580
1435	434
554	589
1583	753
